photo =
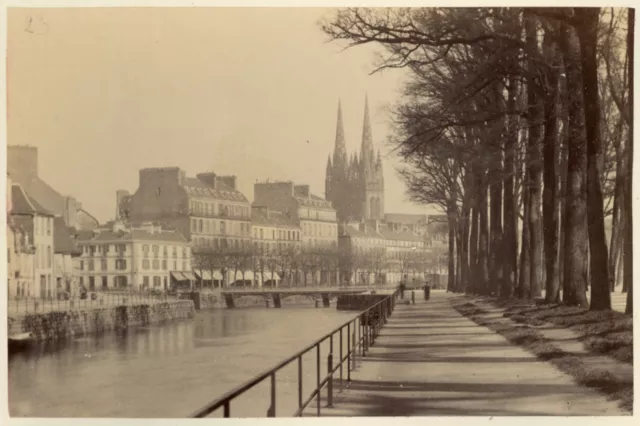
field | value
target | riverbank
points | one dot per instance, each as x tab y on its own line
595	348
61	324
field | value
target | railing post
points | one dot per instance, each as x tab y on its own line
330	382
341	360
272	409
227	409
300	381
318	378
349	356
355	350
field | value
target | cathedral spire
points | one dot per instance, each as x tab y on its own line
340	150
366	155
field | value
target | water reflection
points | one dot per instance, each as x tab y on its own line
139	372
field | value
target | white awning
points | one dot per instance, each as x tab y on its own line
248	275
268	276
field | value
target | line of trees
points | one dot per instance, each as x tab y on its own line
516	122
307	266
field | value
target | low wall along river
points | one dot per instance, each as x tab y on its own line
69	323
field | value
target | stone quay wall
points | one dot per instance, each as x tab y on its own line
78	322
358	302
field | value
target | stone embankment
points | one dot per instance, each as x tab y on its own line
61	324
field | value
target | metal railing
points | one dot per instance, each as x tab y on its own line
301	289
366	325
93	300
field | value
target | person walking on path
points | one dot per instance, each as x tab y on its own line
413	297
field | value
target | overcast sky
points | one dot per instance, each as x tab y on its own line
105	92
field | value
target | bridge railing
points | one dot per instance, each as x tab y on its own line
361	332
301	289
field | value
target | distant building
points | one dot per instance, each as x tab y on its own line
34	234
371	253
315	216
355	186
66	257
208	209
276	240
142	257
402	222
273	231
22	165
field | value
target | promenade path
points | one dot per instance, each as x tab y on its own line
431	360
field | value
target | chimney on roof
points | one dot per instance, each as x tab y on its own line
302	191
209	178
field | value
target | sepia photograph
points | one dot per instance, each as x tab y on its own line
258	212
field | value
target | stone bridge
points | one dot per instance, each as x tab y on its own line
275	295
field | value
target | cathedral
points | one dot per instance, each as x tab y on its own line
354	184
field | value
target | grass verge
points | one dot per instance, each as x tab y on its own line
587	374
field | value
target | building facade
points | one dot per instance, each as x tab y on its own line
34	225
315	217
208	209
371	253
129	257
355	186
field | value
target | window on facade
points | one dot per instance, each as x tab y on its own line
157	282
145	282
91	264
200	225
48	226
92	283
121	264
175	251
273	234
103	264
81	281
121	248
155	250
165	251
145	250
223	228
175	265
185	254
194	227
145	263
104	283
261	234
184	265
82	265
156	264
164	264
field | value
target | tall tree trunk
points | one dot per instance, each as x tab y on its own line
576	235
562	196
524	279
628	241
534	156
464	247
550	153
452	252
495	176
483	249
618	215
587	28
473	247
510	241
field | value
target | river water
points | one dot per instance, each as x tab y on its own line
173	369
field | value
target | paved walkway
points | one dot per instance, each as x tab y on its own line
430	360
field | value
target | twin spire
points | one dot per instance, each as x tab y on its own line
340	150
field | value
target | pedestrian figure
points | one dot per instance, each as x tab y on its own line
413	297
427	291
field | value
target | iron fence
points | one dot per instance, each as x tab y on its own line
361	332
93	300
